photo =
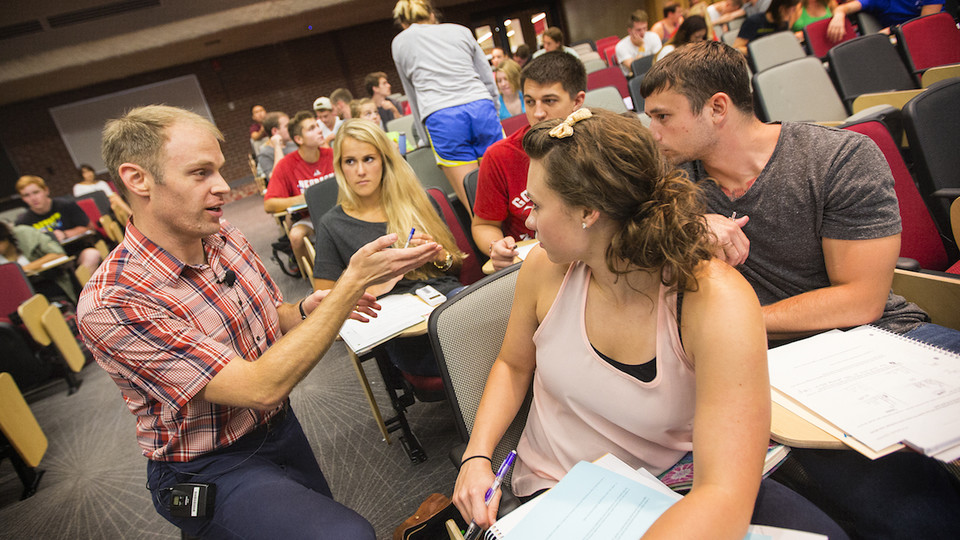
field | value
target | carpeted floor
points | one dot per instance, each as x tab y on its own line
95	473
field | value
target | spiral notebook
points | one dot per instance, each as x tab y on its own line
876	388
629	499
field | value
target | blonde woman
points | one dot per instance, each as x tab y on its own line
507	74
380	194
450	87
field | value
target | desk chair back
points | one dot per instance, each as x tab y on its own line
867	24
772	50
798	91
605	97
929	41
466	334
815	36
89	207
404	124
867	64
604	44
919	239
641	66
611	76
470	186
590	55
100	198
425	166
321	198
594	64
15	291
932	124
470	271
514	123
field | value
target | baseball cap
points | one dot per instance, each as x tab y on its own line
322	104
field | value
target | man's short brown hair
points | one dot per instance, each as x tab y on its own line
140	136
295	127
372	80
638	16
697	71
272	121
556	67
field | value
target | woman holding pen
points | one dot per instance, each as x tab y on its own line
380	194
636	341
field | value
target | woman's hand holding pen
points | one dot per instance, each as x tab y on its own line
503	252
474	480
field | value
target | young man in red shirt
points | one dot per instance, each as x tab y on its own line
554	85
292	175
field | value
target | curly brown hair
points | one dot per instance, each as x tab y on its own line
612	164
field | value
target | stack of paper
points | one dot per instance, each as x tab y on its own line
873	390
397	313
605	499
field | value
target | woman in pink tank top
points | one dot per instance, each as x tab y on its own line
594	329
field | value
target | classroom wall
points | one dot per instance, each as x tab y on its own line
285	76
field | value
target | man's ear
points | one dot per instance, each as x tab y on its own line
719	106
137	180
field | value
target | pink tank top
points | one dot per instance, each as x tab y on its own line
584	408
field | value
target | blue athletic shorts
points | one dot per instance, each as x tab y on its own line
461	134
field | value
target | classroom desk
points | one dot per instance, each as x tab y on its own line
488	266
50	265
418	329
789	429
75	240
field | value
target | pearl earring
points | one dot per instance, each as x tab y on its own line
583	224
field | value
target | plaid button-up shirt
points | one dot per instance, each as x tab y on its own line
163	329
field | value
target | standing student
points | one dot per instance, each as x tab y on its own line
186	320
636	341
450	87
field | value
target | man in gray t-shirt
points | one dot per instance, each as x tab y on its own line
816	226
809	216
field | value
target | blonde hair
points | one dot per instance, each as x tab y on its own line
358	104
412	11
512	71
30	180
402	197
139	137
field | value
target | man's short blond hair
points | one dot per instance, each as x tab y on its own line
139	137
30	180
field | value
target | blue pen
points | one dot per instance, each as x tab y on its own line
473	532
409	238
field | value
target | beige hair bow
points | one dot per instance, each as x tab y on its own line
565	129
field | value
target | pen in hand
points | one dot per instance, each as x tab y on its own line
409	238
473	532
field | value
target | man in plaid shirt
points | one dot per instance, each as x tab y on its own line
186	320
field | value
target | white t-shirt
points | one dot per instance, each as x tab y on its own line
327	131
626	49
80	190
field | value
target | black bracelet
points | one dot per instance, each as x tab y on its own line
475	457
303	316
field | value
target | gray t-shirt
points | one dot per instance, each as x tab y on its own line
265	157
339	236
819	183
441	66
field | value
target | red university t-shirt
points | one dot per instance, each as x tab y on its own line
502	186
